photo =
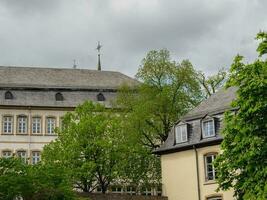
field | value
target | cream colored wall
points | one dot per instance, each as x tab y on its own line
28	141
179	178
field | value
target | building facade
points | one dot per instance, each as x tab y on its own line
34	100
187	155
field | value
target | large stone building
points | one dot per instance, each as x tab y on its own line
191	147
33	101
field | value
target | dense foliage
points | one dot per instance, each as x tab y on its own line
167	91
243	162
33	182
90	145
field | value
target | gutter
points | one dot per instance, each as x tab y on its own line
197	169
175	149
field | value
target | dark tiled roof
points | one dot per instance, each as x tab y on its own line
213	106
37	77
218	102
38	86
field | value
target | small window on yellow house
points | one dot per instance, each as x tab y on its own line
181	133
209	167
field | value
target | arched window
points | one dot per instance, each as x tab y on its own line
100	97
59	97
8	95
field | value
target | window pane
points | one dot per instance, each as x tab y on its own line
7	154
7	124
36	125
210	170
35	157
181	133
208	128
51	125
22	155
22	124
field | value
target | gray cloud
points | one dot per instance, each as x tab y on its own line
54	32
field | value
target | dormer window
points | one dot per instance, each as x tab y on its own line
8	95
208	128
181	134
59	97
100	97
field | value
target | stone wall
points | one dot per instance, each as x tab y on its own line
121	197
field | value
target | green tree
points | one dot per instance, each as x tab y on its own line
139	168
50	182
33	182
167	91
14	179
89	146
243	162
211	84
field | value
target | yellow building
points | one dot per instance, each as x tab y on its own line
33	101
191	147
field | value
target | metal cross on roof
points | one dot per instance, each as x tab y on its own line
98	48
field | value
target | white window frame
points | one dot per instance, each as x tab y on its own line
8	124
36	125
5	152
209	134
22	123
181	133
23	155
50	127
131	190
147	191
116	189
36	157
207	171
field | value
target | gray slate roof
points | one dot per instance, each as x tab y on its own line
38	86
218	102
214	106
37	77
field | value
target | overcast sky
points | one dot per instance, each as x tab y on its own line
51	33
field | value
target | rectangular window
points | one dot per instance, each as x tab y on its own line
131	190
6	154
210	170
36	125
147	191
22	124
208	128
181	133
51	125
116	189
8	125
22	155
36	157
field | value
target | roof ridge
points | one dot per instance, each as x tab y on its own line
58	68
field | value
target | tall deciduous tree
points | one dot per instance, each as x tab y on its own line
243	162
210	84
167	91
89	145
